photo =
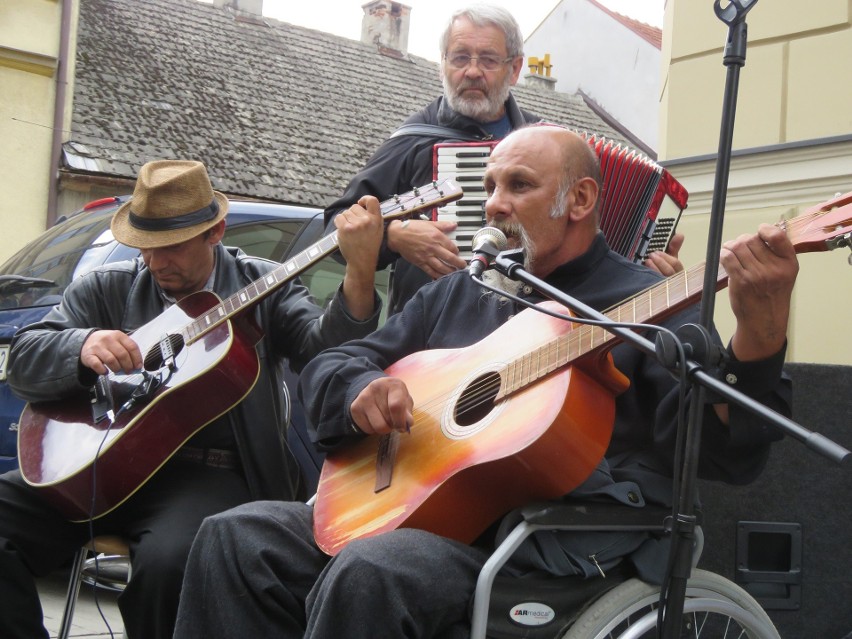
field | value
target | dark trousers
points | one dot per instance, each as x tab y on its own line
255	572
159	521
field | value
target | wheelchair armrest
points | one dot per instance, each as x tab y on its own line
585	515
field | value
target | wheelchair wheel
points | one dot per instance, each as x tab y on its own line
715	608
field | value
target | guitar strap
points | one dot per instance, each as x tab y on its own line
436	130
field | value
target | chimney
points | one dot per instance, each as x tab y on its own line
242	7
539	75
385	24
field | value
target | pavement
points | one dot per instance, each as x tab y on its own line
88	620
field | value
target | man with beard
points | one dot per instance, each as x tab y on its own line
542	184
481	59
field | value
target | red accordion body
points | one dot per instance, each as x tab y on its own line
634	189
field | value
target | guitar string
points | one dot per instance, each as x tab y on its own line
548	357
482	391
561	351
805	220
486	396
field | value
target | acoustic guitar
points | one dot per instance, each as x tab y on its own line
525	414
88	454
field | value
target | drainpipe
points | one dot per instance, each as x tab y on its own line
59	111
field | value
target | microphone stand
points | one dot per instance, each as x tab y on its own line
673	594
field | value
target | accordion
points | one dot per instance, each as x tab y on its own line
634	190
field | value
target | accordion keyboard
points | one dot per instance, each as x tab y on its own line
465	163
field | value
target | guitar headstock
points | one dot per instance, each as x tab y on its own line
824	227
425	197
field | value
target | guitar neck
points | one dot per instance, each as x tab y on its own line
419	199
655	303
820	228
260	288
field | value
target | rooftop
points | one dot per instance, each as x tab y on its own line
276	111
652	34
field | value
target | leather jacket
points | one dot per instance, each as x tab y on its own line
45	356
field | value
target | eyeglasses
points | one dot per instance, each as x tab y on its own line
484	62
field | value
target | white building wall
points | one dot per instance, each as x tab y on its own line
593	52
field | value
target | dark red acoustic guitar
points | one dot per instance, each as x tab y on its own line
525	414
87	457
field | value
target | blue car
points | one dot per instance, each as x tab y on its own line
32	281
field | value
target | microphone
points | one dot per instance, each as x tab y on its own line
487	243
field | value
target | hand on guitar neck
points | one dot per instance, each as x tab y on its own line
359	231
762	270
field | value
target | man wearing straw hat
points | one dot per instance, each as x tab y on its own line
177	221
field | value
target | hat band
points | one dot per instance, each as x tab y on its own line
177	222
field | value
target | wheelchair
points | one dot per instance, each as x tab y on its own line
573	608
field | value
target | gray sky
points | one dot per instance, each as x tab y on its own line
428	17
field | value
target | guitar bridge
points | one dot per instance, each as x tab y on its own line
385	460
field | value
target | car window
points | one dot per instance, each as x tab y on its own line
263	239
323	278
39	273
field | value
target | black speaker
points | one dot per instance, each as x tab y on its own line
786	537
769	563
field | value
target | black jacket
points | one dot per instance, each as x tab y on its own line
454	312
455	320
405	162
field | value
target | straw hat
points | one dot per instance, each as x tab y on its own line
173	201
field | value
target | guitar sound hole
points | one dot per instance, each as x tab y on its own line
154	358
477	400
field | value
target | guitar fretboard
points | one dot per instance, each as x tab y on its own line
258	289
418	199
657	302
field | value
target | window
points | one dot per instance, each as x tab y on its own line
264	239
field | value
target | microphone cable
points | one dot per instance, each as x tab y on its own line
142	393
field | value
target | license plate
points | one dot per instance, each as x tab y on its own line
4	359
